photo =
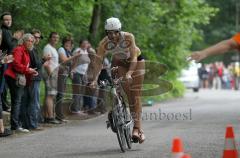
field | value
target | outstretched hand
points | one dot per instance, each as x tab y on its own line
197	56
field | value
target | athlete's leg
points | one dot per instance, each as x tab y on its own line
133	91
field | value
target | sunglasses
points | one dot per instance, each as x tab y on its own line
30	41
38	37
111	32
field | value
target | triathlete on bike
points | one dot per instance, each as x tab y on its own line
131	65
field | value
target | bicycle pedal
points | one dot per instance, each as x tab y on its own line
135	140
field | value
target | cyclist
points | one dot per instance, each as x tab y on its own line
219	48
127	56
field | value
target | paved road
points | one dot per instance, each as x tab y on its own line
198	118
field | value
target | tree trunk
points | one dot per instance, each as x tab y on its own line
95	21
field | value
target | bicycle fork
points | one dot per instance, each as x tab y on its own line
125	126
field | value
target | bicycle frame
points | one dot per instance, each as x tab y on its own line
120	120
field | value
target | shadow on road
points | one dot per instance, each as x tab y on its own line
107	152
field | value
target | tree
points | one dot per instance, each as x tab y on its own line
221	27
164	30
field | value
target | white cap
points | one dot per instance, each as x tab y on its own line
113	24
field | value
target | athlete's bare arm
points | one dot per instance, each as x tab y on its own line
133	54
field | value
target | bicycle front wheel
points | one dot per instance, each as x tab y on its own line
120	133
128	136
127	129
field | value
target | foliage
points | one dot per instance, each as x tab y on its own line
164	29
221	27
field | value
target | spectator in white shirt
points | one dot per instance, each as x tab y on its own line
80	67
65	57
50	77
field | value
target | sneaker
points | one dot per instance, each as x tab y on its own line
62	120
75	112
80	113
7	132
45	120
51	121
22	130
7	110
38	129
93	112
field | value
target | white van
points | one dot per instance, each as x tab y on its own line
189	76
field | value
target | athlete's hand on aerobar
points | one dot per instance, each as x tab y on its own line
93	84
128	77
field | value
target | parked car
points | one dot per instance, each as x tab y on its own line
189	77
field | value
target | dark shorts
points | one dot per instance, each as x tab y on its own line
140	57
125	63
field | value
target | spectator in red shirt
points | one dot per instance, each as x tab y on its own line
20	65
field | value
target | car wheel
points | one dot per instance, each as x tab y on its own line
195	89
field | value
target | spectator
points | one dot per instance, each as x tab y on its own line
231	69
3	131
226	78
104	76
220	74
16	37
65	55
7	46
20	65
30	108
79	70
50	77
7	38
6	24
90	102
236	75
216	81
211	75
203	74
16	40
